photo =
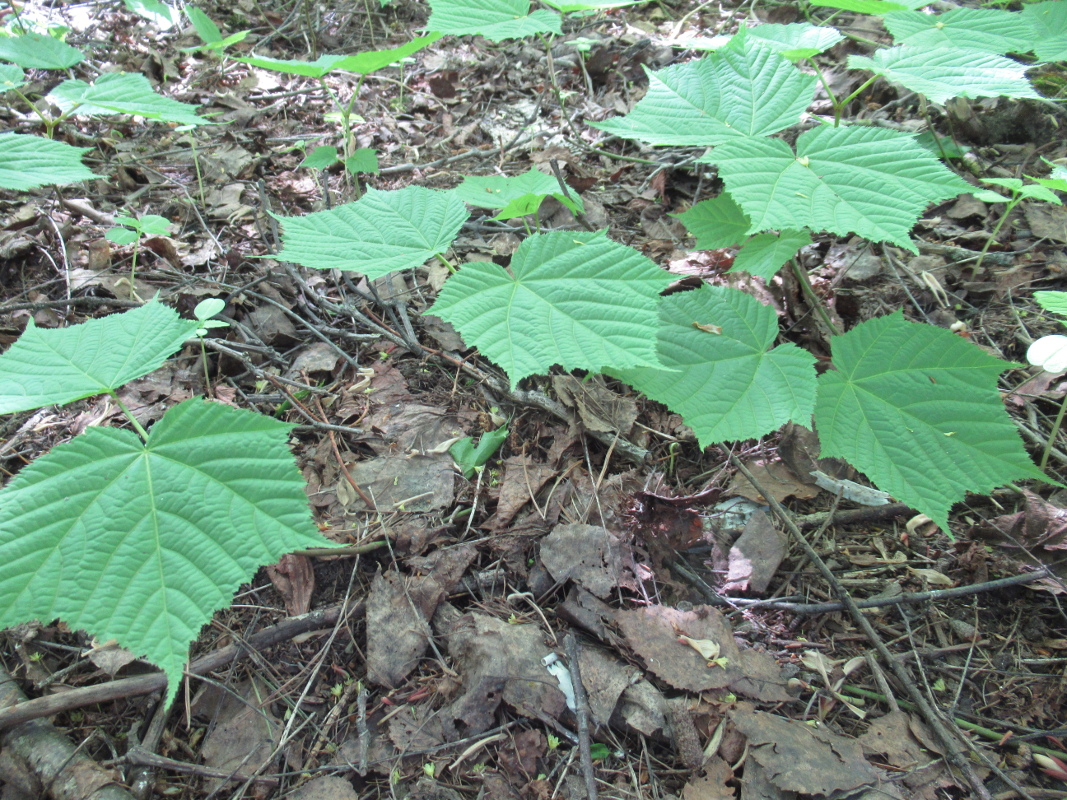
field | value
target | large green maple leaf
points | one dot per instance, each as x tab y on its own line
578	300
496	20
382	232
122	93
869	181
1049	26
142	541
942	74
719	371
27	162
916	408
744	89
55	366
39	51
991	30
360	63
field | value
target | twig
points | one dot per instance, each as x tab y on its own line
458	157
90	302
145	758
142	780
341	462
853	515
581	711
953	750
913	597
157	681
578	215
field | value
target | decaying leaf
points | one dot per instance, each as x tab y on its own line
591	556
800	758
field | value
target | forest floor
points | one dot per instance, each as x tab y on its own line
419	673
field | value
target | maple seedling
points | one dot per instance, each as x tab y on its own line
204	311
363	160
470	458
1019	191
130	230
1050	353
139	537
211	37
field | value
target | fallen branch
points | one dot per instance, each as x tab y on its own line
41	761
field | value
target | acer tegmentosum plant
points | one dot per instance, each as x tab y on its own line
139	536
913	406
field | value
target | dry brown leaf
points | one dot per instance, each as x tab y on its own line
755	556
294	578
776	478
713	784
591	556
800	758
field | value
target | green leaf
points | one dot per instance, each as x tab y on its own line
729	94
1039	192
1056	302
122	93
496	20
1057	184
122	236
916	408
361	63
578	300
517	196
159	14
205	27
30	161
876	7
1049	24
364	159
870	181
987	29
321	158
154	225
940	146
764	255
11	77
1057	178
206	309
39	51
796	41
718	222
944	74
468	457
727	385
209	32
570	6
56	366
1017	188
380	233
142	542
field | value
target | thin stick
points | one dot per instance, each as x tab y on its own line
581	705
340	461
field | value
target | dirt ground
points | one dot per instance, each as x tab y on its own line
715	658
